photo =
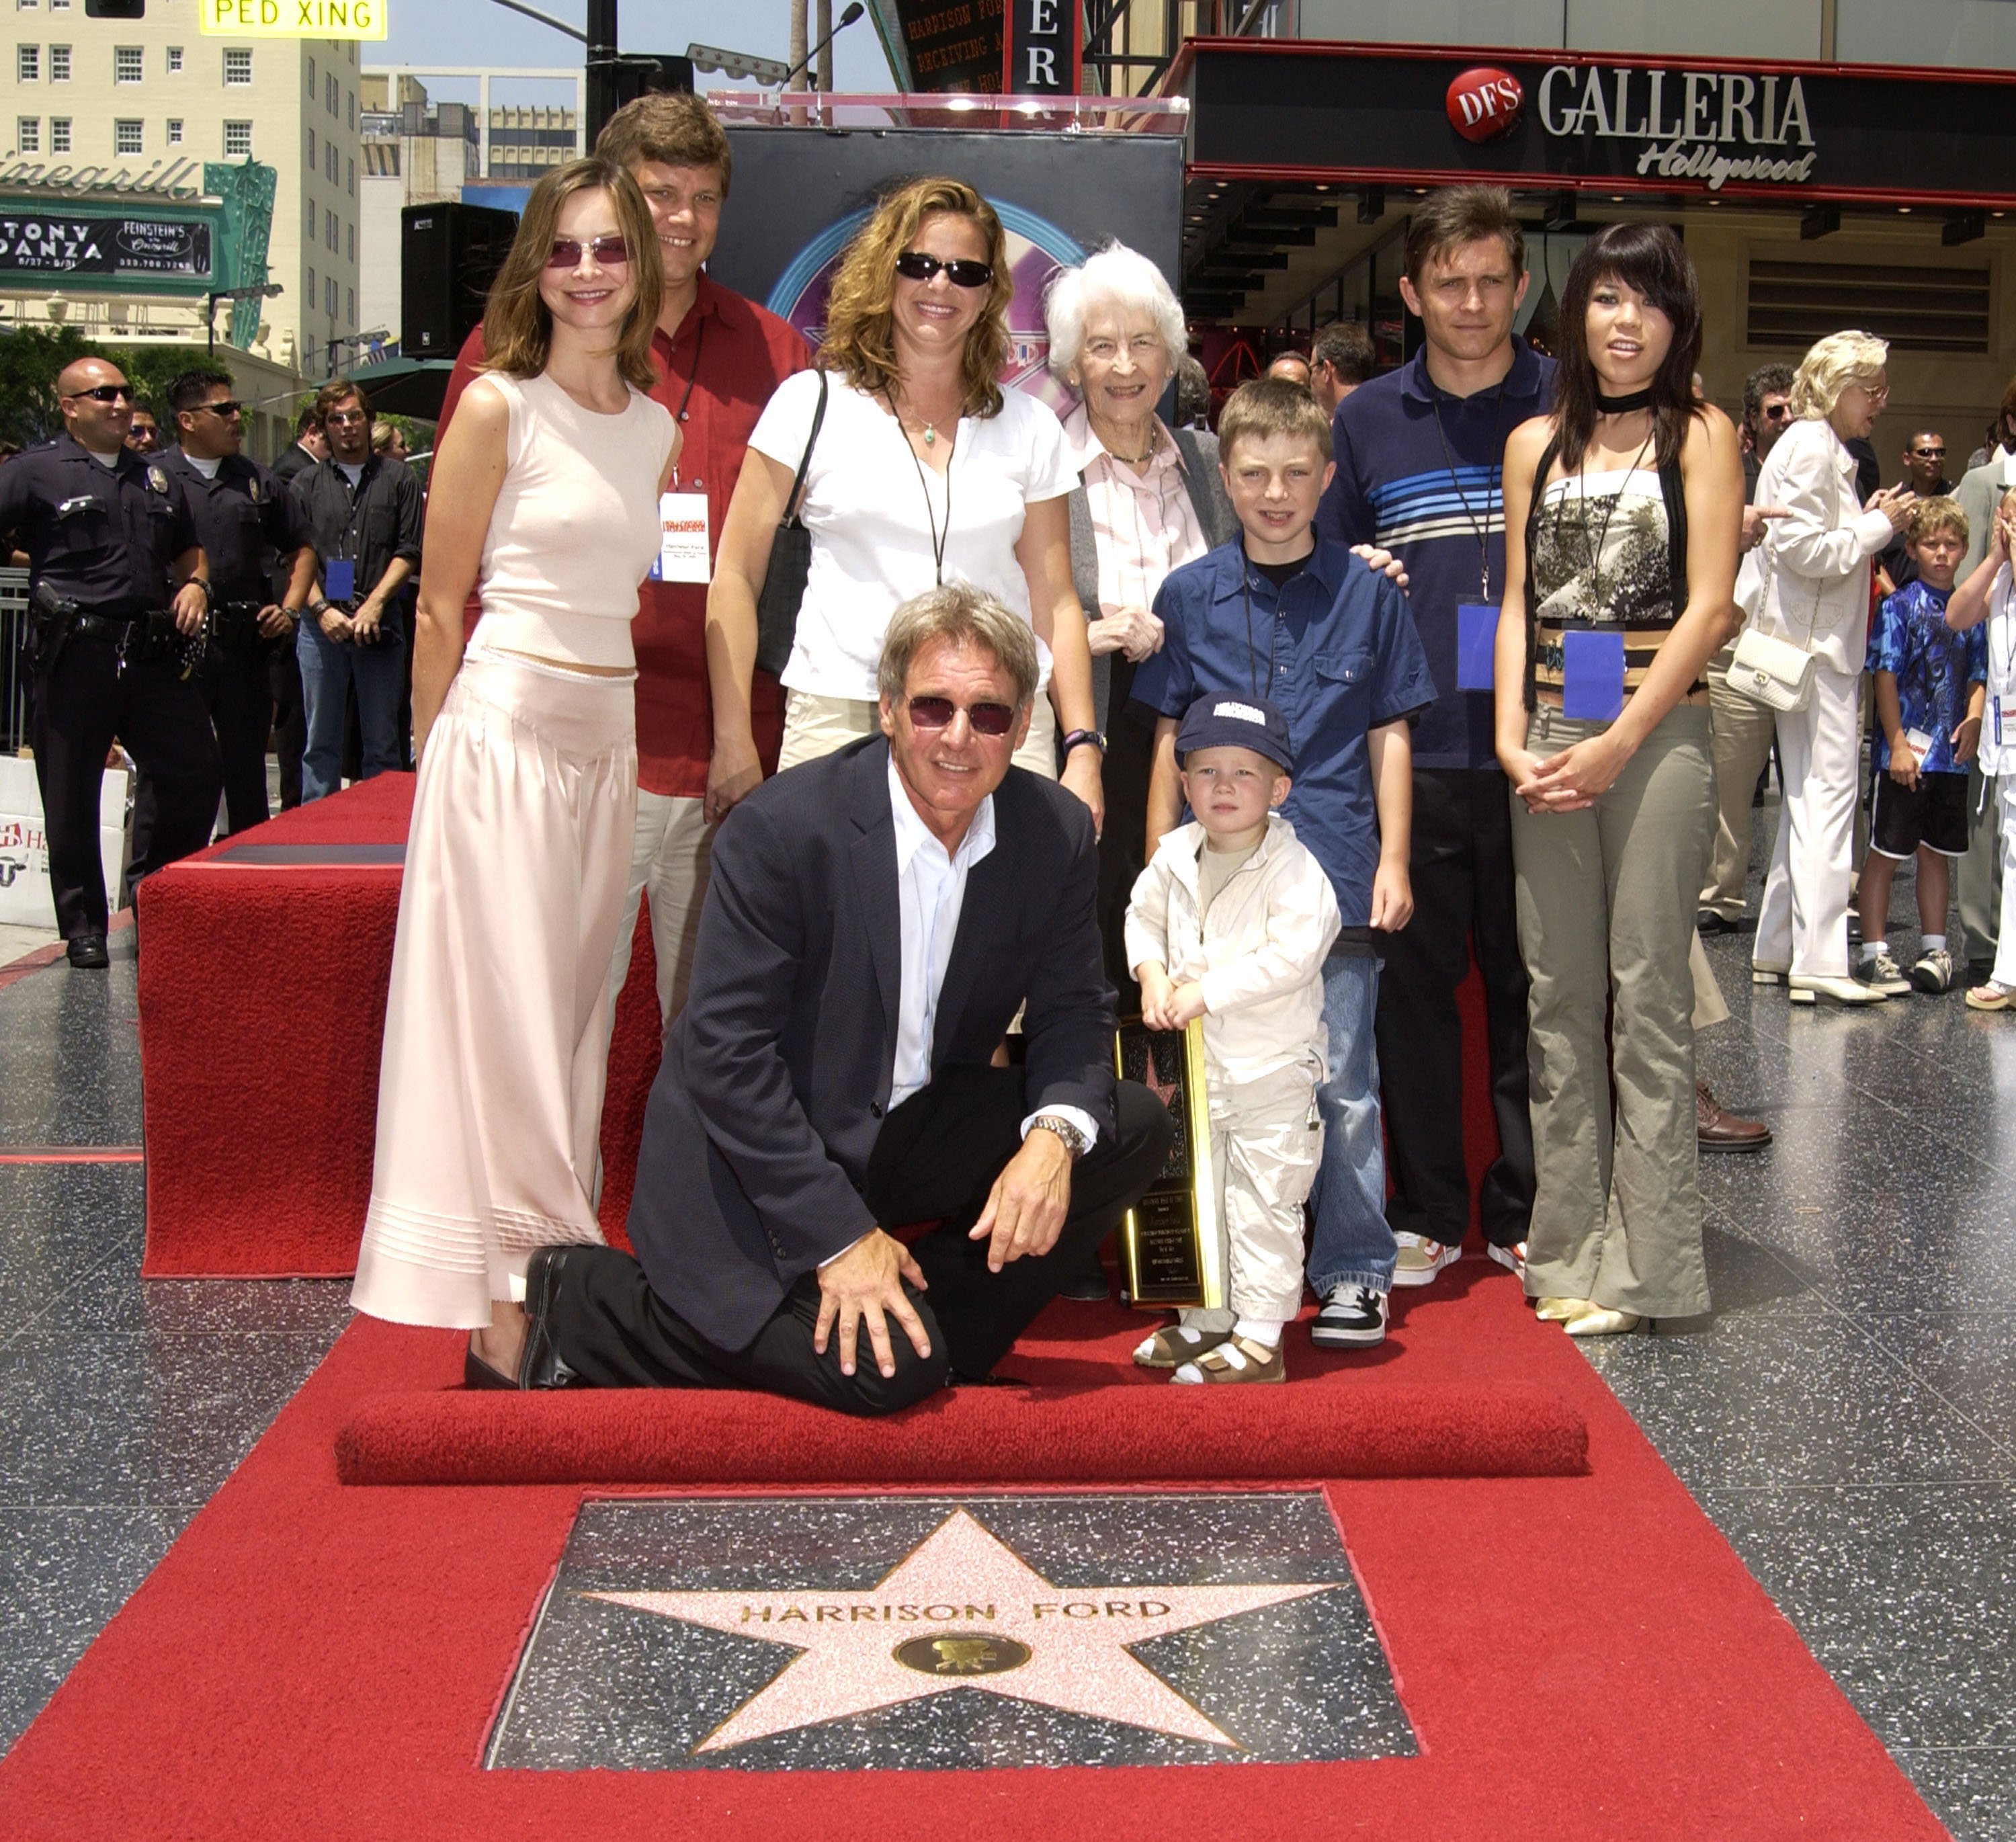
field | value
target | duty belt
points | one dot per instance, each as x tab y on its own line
235	625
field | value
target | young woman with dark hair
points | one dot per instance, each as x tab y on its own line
1623	510
545	501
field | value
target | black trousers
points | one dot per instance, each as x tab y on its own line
290	721
160	717
937	1155
238	688
1130	757
1462	883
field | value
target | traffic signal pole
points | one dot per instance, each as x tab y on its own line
601	67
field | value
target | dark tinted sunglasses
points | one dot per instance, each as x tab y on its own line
937	713
914	265
227	409
1930	453
609	252
106	392
1776	411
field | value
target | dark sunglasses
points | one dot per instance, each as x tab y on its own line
609	252
937	713
914	265
1776	411
1930	453
106	392
227	410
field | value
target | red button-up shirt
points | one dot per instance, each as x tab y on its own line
744	354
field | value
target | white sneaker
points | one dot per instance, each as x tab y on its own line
1420	1259
1881	972
1512	1258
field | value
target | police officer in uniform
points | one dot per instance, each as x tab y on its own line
119	593
242	512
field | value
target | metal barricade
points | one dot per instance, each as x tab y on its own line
13	660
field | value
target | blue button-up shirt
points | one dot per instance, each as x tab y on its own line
1336	651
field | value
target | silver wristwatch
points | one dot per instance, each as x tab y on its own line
1074	1141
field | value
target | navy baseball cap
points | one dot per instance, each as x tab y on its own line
1222	722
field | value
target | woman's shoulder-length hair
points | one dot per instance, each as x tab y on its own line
860	340
1651	261
1830	366
517	324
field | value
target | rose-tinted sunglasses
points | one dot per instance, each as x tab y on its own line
914	265
937	713
609	252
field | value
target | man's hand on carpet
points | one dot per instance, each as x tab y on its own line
1025	1209
864	1285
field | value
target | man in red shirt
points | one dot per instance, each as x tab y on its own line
717	357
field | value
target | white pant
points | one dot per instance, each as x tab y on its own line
669	857
1803	923
1266	1139
2004	973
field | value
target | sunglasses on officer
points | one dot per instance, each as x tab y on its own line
609	252
937	713
105	393
914	265
228	409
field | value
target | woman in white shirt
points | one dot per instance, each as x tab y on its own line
1816	565
546	501
924	472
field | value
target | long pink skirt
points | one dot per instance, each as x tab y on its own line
497	1024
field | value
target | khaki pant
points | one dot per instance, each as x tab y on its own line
1979	884
1266	1141
1606	898
1742	746
668	858
815	726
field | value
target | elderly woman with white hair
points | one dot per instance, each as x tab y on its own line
1149	500
1816	573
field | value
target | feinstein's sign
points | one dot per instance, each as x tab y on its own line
53	246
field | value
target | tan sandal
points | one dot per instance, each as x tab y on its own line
1176	1343
1990	996
1259	1363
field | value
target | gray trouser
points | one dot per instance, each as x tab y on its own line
1980	880
1742	746
1605	900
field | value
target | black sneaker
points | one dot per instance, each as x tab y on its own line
1353	1318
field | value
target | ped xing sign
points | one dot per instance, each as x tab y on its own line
293	19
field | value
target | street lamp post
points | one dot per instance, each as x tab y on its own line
601	67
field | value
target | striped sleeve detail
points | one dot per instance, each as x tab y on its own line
1425	506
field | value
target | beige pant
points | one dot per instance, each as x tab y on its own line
496	1046
1265	1141
668	858
1742	746
1979	884
815	726
1606	899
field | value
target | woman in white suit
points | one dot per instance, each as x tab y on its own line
1816	596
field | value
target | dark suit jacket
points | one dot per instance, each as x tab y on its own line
776	1075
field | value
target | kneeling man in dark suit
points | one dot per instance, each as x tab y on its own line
872	922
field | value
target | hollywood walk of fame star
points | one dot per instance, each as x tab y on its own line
978	1617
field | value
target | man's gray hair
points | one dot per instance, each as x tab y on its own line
965	616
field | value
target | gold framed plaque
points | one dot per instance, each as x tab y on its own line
1172	1250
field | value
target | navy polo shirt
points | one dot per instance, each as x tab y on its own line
1334	650
1394	488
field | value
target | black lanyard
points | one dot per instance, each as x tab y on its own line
1480	527
1273	630
930	510
692	377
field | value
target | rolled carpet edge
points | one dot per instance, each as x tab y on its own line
963	1436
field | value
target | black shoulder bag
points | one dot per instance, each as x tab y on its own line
790	563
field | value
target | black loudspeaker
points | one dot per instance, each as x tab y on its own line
115	9
449	256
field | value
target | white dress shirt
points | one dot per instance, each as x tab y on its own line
931	887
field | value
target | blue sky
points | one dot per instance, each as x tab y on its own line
466	32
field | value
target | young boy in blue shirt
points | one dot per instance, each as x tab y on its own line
1282	615
1931	685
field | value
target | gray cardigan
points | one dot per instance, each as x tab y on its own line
1198	449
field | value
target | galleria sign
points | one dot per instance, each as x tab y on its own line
1711	125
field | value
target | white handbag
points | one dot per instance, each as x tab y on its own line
1773	672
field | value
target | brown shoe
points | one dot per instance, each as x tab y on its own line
1717	1130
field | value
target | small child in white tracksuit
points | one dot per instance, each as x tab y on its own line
1231	923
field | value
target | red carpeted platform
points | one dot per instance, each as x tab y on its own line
1580	1657
262	1011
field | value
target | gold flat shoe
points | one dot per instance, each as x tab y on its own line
1600	1320
1558	1310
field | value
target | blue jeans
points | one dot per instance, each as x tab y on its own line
1350	1243
328	670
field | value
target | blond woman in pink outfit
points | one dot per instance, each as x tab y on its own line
545	500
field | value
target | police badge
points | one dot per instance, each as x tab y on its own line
157	477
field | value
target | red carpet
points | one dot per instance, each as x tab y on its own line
262	1011
1580	1657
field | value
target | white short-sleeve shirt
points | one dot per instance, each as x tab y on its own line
865	509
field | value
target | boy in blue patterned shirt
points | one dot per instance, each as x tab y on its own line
1931	685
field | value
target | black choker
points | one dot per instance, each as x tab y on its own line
1623	405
